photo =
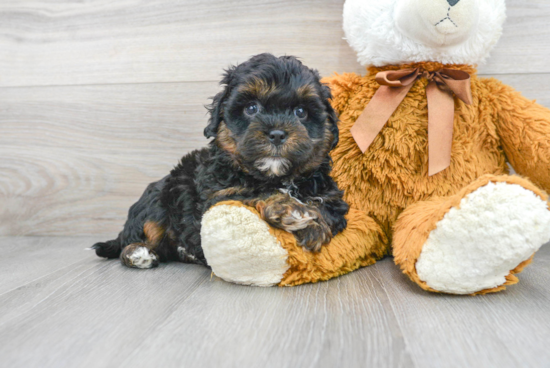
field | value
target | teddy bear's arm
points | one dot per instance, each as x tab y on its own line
524	130
241	247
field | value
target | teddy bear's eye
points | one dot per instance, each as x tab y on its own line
252	109
300	112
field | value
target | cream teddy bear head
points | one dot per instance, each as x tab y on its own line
388	32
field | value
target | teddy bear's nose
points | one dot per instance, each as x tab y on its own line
452	2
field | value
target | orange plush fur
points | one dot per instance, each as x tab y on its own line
392	175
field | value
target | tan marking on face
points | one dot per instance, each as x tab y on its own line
297	136
329	137
322	148
307	91
257	136
258	87
225	140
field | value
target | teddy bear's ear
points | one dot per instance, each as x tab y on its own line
331	115
215	109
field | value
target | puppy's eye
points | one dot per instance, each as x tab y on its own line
251	109
300	112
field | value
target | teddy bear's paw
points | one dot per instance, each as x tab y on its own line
239	247
136	255
476	245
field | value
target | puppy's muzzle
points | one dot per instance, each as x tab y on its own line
277	127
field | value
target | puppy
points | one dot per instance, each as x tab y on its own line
273	128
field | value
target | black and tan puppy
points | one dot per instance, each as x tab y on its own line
273	127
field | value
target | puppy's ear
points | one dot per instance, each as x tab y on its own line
331	115
215	109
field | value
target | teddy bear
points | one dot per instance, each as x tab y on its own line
422	159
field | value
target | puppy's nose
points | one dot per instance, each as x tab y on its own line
452	2
277	137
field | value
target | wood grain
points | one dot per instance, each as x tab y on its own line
313	326
90	314
67	308
32	258
75	158
524	46
97	42
102	42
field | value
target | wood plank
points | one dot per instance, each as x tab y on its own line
53	43
76	158
98	42
345	322
60	192
89	314
26	259
506	329
107	119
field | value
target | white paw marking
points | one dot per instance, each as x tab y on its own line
276	166
475	246
141	258
297	221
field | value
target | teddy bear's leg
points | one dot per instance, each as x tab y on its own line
242	248
475	241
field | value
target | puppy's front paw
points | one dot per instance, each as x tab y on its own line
314	236
307	225
288	215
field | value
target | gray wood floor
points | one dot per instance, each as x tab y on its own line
62	307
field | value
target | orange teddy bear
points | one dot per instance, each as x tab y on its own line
422	160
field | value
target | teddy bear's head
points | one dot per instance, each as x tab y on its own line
392	32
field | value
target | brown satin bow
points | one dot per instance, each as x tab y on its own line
394	86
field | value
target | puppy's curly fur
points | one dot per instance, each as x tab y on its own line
273	127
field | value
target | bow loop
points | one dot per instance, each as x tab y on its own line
397	78
394	86
459	82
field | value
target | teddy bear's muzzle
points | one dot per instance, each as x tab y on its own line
436	22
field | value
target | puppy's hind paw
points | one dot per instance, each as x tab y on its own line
136	255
